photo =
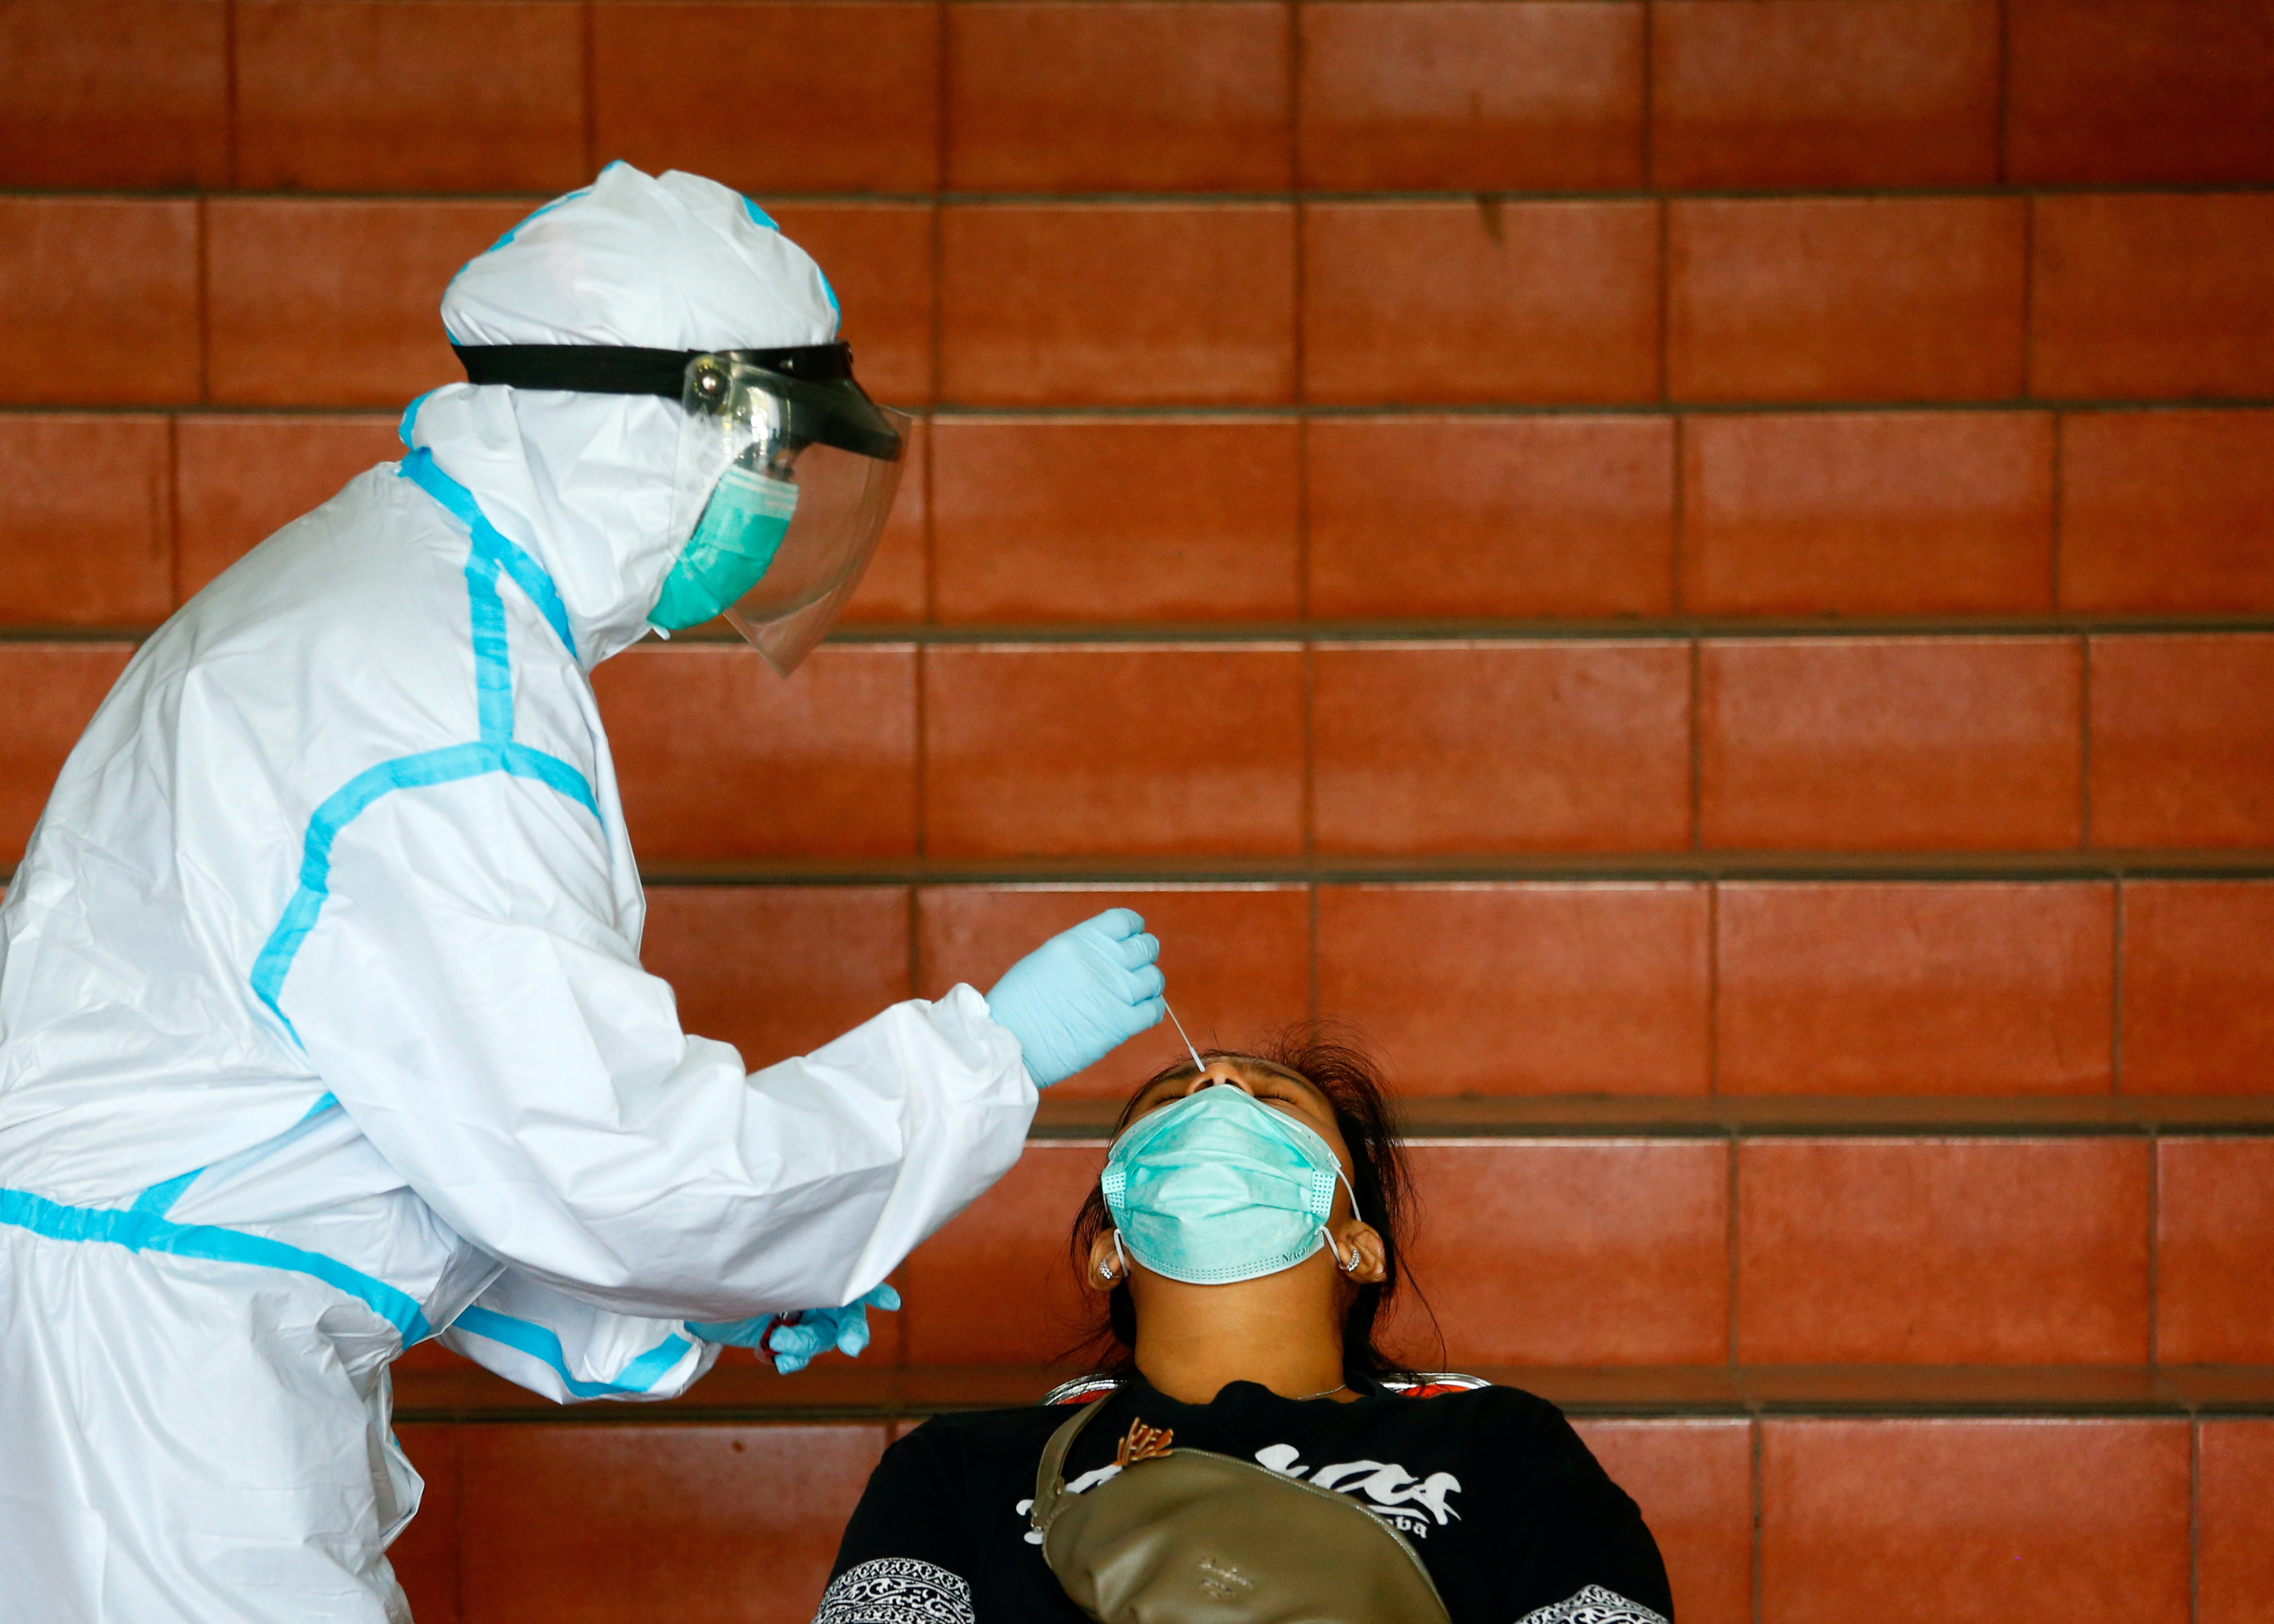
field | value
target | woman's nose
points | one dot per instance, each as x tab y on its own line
1218	1072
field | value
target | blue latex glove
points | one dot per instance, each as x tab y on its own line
800	1337
1081	995
796	1338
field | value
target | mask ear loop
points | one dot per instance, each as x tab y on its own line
1117	1252
1350	1265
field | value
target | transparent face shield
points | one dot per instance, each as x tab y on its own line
782	487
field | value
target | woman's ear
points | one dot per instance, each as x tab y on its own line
1105	1268
1359	1253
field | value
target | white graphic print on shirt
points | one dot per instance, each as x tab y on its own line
1392	1491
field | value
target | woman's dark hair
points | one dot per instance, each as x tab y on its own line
1345	1075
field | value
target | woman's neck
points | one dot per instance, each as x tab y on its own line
1279	1331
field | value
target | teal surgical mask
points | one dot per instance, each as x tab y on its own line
1221	1187
740	530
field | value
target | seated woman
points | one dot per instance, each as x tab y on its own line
1244	1243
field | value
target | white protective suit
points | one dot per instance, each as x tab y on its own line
322	1025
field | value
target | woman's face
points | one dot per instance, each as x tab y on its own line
1359	1252
1273	1086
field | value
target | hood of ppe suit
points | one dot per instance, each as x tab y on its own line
585	481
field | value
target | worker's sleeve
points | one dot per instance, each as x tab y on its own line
467	993
568	1350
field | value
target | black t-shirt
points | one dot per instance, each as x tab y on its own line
1513	1517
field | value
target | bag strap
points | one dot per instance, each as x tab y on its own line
1050	1477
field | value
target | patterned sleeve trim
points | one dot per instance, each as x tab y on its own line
897	1590
1594	1605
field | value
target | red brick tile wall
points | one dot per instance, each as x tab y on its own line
1676	553
1973	1519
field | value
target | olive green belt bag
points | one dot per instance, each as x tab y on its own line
1186	1537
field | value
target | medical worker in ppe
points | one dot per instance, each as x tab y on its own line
322	1025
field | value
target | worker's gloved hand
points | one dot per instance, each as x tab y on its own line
796	1338
1081	995
800	1337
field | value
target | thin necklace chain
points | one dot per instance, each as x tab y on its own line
1340	1387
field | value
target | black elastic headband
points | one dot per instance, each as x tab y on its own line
623	369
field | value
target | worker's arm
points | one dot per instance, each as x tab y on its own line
471	994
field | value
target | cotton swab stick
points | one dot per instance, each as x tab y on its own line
1198	1063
